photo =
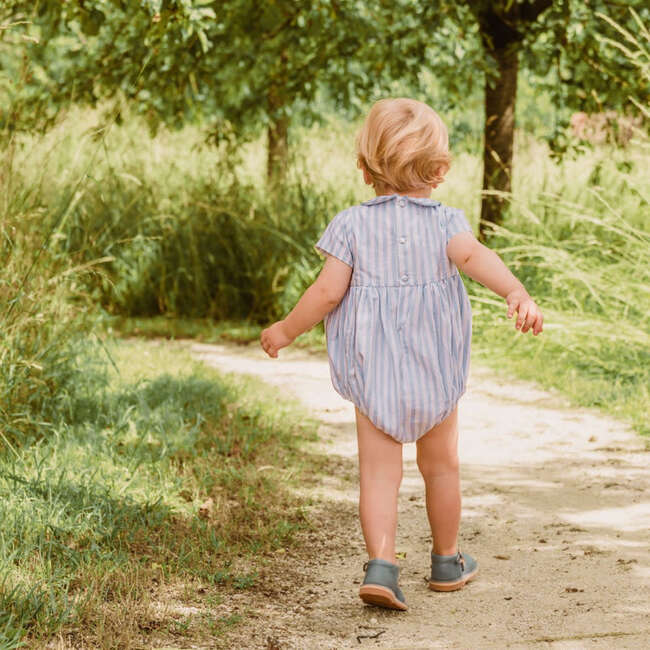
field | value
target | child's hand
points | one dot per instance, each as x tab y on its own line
528	313
273	338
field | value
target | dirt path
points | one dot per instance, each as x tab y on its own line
556	509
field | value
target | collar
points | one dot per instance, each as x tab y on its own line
382	198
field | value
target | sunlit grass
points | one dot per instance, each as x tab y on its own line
150	481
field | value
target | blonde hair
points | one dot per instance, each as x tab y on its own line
403	145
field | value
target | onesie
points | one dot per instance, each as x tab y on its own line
399	341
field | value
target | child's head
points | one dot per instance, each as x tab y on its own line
403	145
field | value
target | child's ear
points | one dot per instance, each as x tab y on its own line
440	174
367	178
440	177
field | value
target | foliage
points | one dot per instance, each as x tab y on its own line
237	63
567	52
237	67
575	61
229	62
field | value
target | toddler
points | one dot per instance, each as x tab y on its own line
398	328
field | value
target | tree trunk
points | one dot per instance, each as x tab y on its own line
499	136
503	27
277	162
278	151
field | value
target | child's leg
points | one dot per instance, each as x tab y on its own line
437	454
380	470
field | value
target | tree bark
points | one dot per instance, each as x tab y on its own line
278	151
277	162
502	27
499	137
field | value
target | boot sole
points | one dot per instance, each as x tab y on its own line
453	586
381	596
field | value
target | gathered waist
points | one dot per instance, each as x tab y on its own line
404	285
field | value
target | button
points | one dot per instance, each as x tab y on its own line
402	240
401	203
405	278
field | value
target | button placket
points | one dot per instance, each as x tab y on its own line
402	252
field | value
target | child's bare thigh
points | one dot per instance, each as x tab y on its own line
440	443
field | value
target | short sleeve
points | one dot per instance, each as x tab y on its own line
456	222
335	240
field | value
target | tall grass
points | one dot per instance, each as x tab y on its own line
185	236
42	313
586	264
187	231
582	245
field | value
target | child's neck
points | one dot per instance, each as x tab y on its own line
420	193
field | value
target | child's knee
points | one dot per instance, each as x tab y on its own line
431	468
382	474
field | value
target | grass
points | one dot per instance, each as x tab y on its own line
206	331
163	482
161	233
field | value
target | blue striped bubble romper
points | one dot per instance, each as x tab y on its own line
399	341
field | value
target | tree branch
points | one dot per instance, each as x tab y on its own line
530	12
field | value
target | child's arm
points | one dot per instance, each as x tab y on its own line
486	267
318	300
